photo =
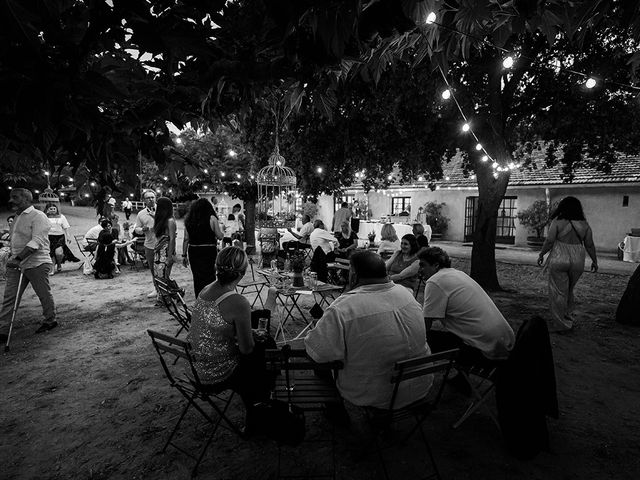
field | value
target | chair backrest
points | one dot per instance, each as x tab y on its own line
174	302
179	349
440	362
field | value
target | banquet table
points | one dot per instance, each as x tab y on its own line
368	227
631	252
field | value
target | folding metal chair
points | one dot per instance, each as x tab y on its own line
310	386
173	299
139	254
254	286
481	379
197	394
382	419
87	247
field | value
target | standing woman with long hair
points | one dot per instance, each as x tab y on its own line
568	238
200	245
165	229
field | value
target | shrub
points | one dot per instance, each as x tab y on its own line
536	217
434	217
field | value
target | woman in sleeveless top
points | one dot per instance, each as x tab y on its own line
221	335
568	238
165	229
403	266
200	245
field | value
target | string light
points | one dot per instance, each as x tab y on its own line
165	178
446	94
485	158
319	169
466	127
507	62
494	164
590	83
238	175
389	177
431	18
478	146
178	140
222	174
205	171
232	153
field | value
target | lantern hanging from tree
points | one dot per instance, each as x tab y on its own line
276	193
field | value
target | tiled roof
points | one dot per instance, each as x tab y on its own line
625	170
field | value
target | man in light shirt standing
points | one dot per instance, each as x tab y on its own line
29	254
126	207
144	225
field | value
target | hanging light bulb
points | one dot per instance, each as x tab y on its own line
446	94
222	174
484	158
466	127
478	146
319	169
238	175
205	187
473	177
421	179
205	171
495	174
446	178
165	178
389	177
431	18
494	164
590	83
232	153
507	62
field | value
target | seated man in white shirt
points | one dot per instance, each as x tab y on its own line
369	329
91	237
302	235
470	319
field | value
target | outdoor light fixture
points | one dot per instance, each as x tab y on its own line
36	191
485	158
590	83
431	18
446	94
507	62
478	146
466	127
131	195
278	163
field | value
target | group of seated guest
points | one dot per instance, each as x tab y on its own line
375	324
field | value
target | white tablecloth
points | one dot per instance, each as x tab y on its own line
368	227
631	252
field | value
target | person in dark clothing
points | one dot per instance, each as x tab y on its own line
418	231
200	245
105	265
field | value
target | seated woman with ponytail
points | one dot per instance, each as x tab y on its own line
221	336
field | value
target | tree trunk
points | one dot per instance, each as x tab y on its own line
483	254
250	224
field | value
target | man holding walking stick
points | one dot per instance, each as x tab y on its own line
29	258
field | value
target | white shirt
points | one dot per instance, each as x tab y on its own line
323	239
145	219
388	246
369	329
93	233
305	232
126	204
31	229
466	310
112	202
58	225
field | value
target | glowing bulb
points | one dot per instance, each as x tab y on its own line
478	146
205	171
131	195
507	62
46	172
495	174
205	187
485	158
494	164
389	177
178	140
357	174
421	179
93	184
170	190
251	176
473	177
222	174
238	175
446	178
232	153
36	191
431	18
165	178
466	127
71	179
590	83
86	195
319	169
446	94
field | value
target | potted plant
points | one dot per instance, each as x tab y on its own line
296	261
434	217
536	217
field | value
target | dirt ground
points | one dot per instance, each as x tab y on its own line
88	400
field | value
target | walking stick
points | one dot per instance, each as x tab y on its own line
15	309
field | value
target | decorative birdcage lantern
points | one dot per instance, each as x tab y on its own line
276	205
47	196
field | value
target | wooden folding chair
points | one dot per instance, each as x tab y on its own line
309	386
196	393
253	286
382	419
173	300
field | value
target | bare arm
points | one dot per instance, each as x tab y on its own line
215	226
389	262
411	271
185	248
591	249
238	311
